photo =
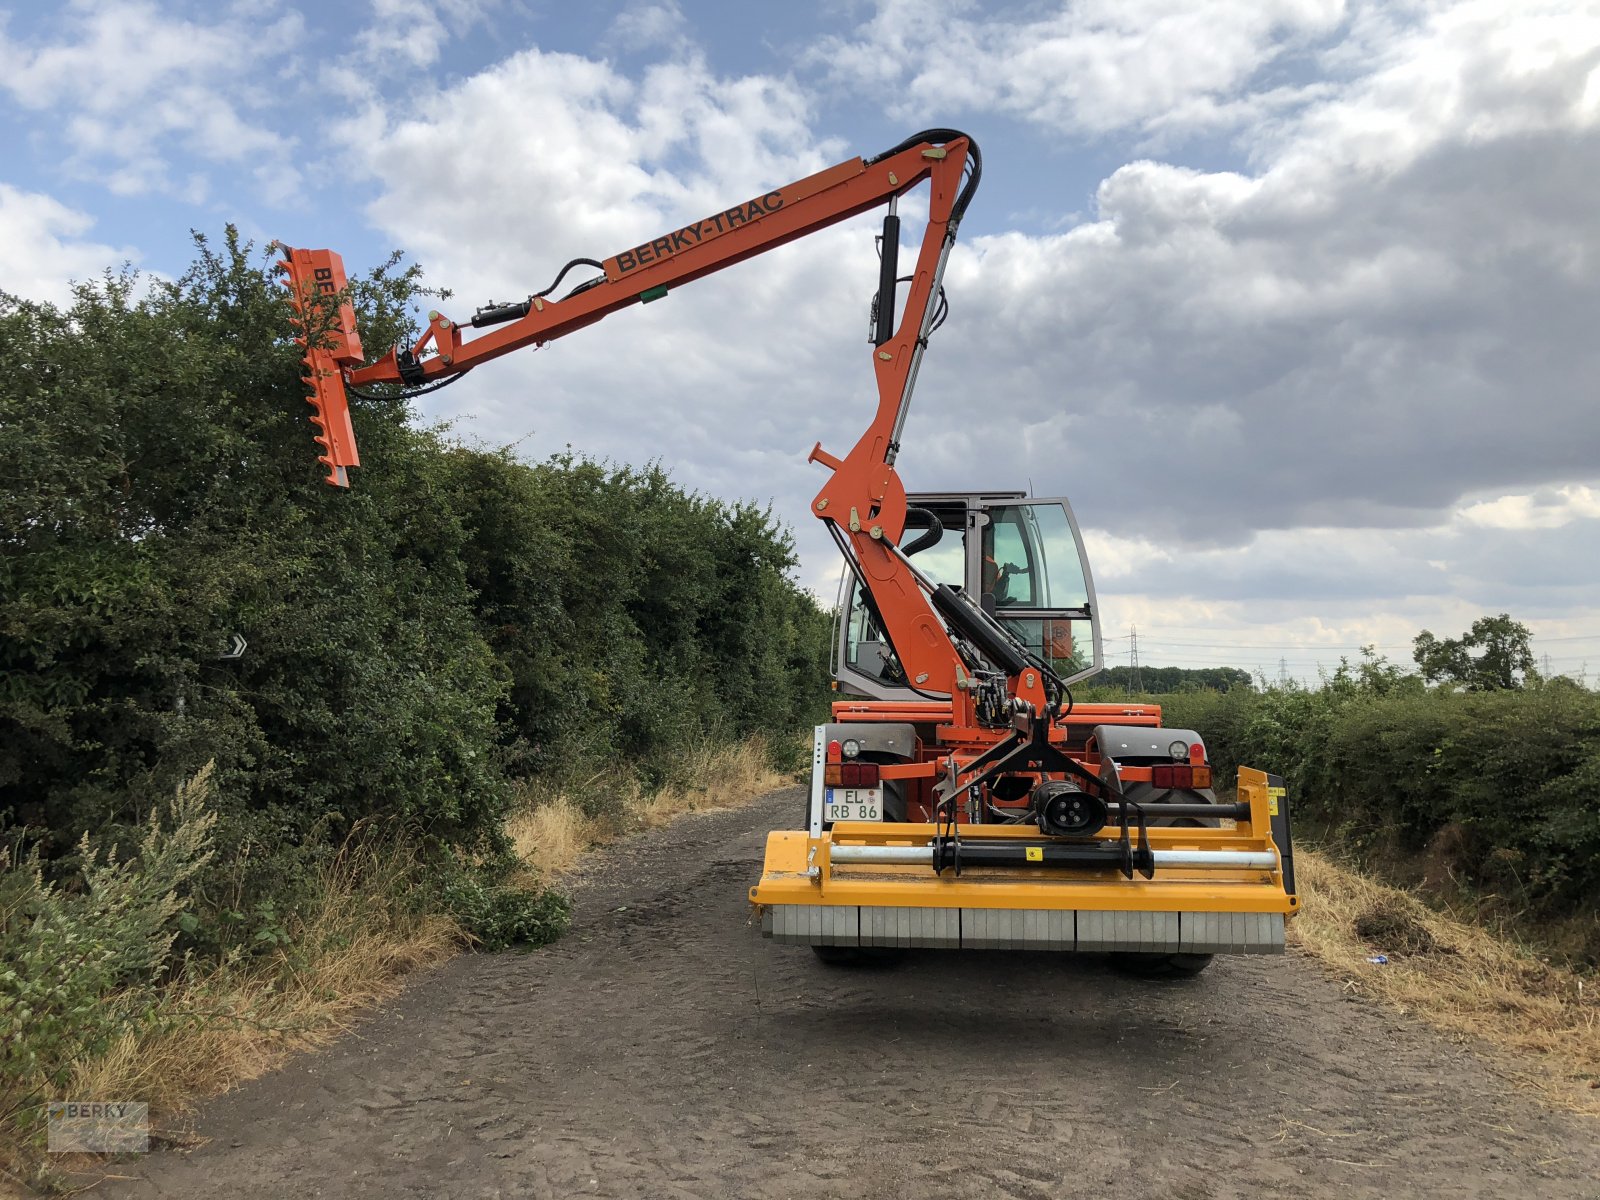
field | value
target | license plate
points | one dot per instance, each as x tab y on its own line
853	804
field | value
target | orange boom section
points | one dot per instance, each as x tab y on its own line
863	501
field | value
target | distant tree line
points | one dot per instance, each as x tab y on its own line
1160	681
1495	654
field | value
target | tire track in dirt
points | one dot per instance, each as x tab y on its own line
664	1049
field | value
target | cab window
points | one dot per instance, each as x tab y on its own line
1031	559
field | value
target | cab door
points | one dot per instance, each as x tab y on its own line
1028	568
1022	558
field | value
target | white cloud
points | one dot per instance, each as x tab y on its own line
645	26
1549	509
1368	327
42	250
1088	67
1311	595
132	85
411	34
1308	385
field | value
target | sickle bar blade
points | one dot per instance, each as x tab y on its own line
327	329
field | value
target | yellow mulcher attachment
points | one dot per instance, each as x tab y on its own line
1171	892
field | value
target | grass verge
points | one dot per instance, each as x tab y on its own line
171	1030
554	825
1544	1019
213	1025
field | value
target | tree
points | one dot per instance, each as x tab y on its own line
1493	655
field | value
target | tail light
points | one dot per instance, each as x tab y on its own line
1180	776
851	775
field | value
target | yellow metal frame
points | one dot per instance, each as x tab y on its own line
799	870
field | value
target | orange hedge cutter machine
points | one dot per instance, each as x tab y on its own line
965	801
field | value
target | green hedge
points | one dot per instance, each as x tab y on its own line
454	621
1376	760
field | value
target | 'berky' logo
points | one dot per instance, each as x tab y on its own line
700	231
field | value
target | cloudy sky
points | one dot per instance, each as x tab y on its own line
1298	300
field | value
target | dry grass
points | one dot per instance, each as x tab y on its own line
225	1027
552	828
214	1027
1458	977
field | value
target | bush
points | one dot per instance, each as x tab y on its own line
1501	781
81	964
498	914
417	646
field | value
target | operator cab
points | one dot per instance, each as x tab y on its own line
1021	557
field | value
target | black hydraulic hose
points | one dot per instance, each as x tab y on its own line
940	136
408	393
498	314
928	537
577	262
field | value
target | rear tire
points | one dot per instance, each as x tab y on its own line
857	956
1162	966
838	956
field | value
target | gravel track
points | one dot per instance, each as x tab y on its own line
665	1049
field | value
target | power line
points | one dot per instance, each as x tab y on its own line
1536	637
1273	645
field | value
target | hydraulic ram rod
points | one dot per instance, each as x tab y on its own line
981	855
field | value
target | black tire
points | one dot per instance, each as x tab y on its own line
857	956
838	956
894	800
1162	966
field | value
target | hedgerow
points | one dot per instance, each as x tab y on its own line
1499	785
456	621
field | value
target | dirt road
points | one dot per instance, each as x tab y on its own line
664	1049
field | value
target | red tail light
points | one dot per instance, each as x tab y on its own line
835	751
1180	776
1197	753
858	775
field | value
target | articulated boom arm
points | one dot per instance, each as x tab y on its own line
863	500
